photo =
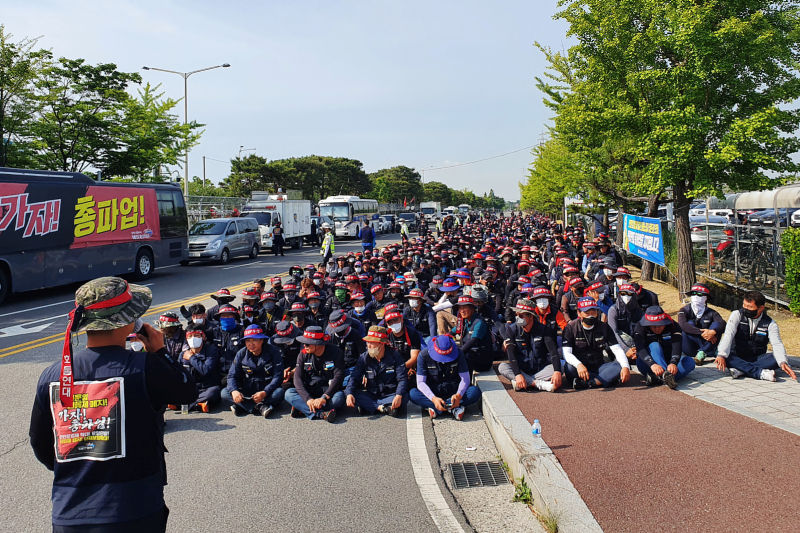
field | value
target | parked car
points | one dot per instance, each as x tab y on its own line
716	233
410	219
766	217
319	221
384	224
219	239
794	220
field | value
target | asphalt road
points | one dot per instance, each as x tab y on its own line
225	473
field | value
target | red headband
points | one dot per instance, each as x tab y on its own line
656	318
314	335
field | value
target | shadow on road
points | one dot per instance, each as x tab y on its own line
193	422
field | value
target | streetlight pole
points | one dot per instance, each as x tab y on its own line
243	149
185	76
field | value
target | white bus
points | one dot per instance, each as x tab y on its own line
464	209
347	213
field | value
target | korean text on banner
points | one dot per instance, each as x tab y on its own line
642	237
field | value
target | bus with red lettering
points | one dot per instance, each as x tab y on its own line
64	227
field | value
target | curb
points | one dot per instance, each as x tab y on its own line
553	491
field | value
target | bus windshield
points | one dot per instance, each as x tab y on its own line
338	212
209	227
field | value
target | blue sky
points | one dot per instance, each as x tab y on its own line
423	84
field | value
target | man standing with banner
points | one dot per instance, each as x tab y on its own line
97	420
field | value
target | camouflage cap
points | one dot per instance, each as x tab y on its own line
103	289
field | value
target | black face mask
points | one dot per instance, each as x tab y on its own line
749	313
589	321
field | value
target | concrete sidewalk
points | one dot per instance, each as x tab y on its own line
637	458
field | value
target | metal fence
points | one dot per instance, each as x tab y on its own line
742	257
201	207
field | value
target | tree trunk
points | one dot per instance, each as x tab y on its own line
652	210
618	237
686	272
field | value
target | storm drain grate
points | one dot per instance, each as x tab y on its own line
485	474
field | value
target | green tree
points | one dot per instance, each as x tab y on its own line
199	188
20	65
81	108
693	95
436	191
149	135
393	185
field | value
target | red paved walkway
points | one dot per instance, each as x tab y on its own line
654	459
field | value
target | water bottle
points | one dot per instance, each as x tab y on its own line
185	409
536	431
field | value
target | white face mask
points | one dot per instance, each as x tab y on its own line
626	298
358	270
359	309
620	282
199	321
317	282
520	321
542	303
373	350
136	346
415	303
608	272
194	342
698	301
397	327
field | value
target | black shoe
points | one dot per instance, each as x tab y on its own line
296	413
386	409
669	380
238	410
329	416
263	410
579	384
361	410
650	381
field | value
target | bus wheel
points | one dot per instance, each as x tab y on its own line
5	284
224	257
254	252
143	267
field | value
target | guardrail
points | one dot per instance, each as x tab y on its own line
201	207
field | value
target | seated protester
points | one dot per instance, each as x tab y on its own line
445	317
260	286
646	298
317	378
346	335
382	373
605	274
271	312
339	298
533	358
276	284
404	339
288	297
362	312
432	294
298	315
284	341
569	301
420	314
702	327
378	301
480	295
251	297
201	360
222	297
254	379
250	316
623	316
585	339
658	349
744	343
443	379
316	310
473	336
599	292
132	342
227	338
170	325
196	314
621	277
396	294
546	313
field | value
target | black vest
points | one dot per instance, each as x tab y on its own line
750	346
122	478
532	354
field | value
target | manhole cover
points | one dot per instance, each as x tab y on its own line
485	474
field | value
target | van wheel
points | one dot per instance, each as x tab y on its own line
224	257
143	268
298	243
184	263
5	284
254	252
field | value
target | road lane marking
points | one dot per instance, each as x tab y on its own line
429	489
35	308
